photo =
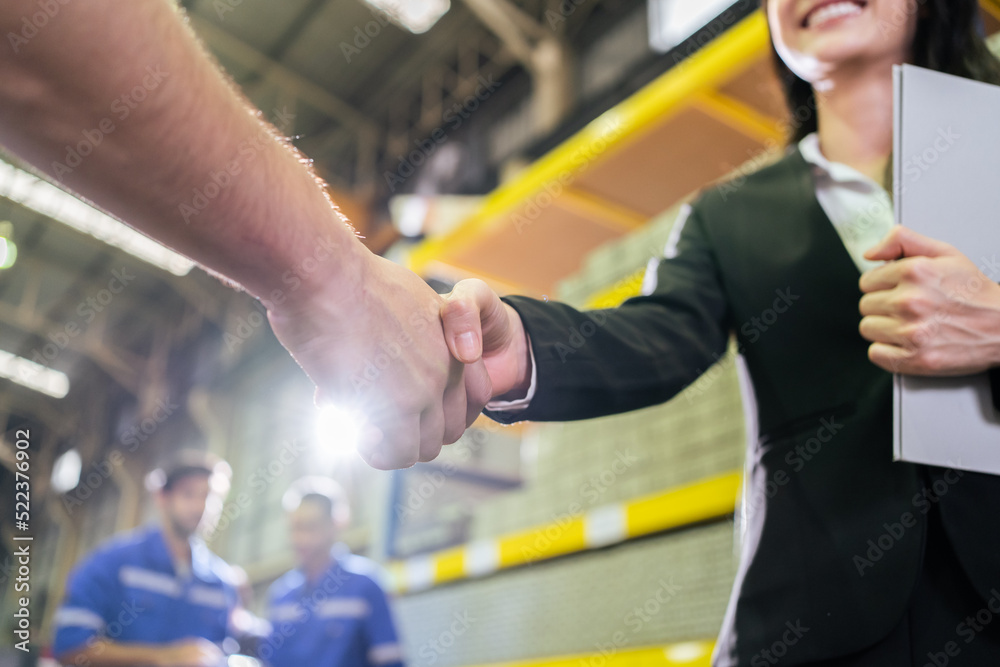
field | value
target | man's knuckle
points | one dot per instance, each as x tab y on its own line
410	403
911	334
453	434
912	305
931	360
919	268
455	309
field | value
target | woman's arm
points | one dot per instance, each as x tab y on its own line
600	362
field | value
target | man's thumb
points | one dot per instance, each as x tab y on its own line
904	242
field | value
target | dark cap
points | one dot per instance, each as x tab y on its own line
189	462
323	490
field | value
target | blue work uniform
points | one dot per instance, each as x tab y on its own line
128	591
340	620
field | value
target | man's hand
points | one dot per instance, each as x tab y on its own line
367	332
375	345
930	312
479	326
191	653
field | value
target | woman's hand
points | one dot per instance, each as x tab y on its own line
930	312
478	325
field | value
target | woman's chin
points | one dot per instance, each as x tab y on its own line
825	61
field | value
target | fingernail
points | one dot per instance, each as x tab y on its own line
466	343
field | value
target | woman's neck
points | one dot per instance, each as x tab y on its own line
854	112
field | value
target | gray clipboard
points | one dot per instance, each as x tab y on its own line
947	174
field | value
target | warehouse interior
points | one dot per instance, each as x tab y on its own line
543	146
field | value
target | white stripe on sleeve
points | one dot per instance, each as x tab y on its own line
78	617
382	654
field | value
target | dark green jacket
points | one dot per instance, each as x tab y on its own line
762	259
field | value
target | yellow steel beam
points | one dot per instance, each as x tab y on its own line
740	116
515	429
719	61
544	542
993	7
626	288
500	285
703	500
683	654
449	565
598	209
708	499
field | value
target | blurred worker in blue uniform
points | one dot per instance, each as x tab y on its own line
158	595
330	611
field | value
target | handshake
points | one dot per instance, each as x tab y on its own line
417	368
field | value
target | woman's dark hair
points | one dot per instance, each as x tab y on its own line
948	39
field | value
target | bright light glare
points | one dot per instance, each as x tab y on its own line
337	432
673	21
417	16
33	376
8	253
34	193
687	652
66	471
412	215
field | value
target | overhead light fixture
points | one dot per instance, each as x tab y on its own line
42	197
673	21
66	471
33	376
417	16
8	251
410	215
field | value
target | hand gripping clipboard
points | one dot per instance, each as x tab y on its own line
946	166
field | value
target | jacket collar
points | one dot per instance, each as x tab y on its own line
202	559
837	172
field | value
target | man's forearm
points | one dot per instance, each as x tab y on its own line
171	147
191	165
